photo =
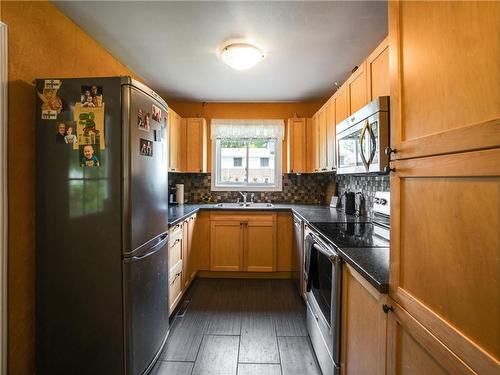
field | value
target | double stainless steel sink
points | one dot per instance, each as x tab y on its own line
244	205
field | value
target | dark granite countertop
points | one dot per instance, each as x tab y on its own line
371	263
307	212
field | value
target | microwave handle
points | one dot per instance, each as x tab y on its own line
374	144
361	152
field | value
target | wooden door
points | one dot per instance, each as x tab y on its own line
444	74
191	268
260	245
330	135
173	141
445	250
201	241
285	240
356	89
196	145
297	145
413	350
363	326
322	139
181	144
311	145
226	249
377	71
341	104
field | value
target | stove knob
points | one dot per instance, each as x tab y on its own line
383	201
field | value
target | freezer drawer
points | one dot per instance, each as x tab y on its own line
146	308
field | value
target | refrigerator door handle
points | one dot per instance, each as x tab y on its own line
153	249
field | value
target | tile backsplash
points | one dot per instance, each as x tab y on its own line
303	188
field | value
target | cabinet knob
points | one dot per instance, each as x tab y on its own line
387	308
389	151
388	169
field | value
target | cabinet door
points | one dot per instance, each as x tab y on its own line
196	145
444	77
356	87
377	71
296	146
311	145
181	144
260	246
413	350
201	241
191	267
226	250
330	135
173	141
363	325
445	246
285	240
341	110
322	139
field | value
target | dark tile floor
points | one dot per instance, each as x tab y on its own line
240	327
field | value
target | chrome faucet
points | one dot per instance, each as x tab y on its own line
244	195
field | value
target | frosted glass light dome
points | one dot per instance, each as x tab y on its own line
241	56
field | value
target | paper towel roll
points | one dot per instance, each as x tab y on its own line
179	194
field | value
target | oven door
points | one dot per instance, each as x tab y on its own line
360	148
323	300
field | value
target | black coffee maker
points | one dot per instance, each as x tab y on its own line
349	202
171	194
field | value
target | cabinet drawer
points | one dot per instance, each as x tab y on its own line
175	230
175	286
175	250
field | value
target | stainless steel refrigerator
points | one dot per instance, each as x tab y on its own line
101	219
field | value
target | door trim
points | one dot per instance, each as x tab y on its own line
3	197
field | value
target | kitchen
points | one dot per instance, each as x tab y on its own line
340	219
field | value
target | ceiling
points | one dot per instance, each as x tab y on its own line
174	46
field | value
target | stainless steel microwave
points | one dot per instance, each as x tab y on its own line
362	139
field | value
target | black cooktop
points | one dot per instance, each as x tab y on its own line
351	234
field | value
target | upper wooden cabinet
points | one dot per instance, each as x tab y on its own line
341	104
377	71
322	139
312	145
177	142
356	89
444	77
196	145
297	145
330	135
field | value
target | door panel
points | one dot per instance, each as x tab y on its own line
341	111
296	146
458	69
445	215
148	180
330	135
146	307
322	139
226	250
260	249
356	86
377	69
413	350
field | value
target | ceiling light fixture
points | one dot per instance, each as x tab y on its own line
241	56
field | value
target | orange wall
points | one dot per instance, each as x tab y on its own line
42	43
246	111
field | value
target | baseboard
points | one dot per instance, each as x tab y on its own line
244	275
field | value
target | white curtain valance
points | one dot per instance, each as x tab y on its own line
238	129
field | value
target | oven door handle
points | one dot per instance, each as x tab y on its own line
331	255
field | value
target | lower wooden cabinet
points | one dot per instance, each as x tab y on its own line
226	249
189	269
413	350
175	289
201	240
243	242
363	326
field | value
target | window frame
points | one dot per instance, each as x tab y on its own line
277	186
